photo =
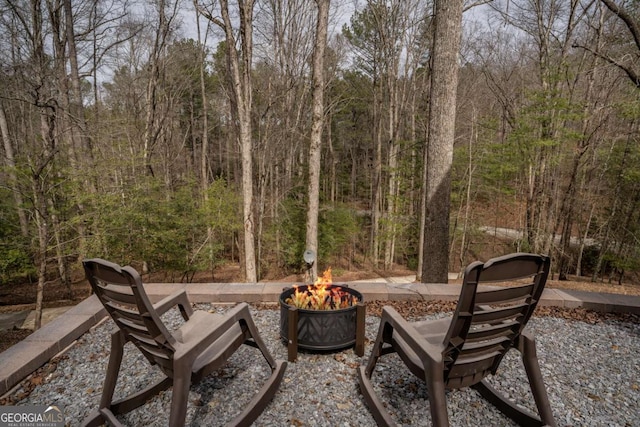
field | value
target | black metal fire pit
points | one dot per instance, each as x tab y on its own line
322	330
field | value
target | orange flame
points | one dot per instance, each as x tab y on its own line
322	295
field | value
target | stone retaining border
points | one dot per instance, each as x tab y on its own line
19	361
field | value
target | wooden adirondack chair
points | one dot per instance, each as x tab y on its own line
461	351
201	345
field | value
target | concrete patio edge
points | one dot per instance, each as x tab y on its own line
19	361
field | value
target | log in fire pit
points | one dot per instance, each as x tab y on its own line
322	317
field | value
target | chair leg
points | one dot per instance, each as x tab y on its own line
435	386
278	367
382	417
245	316
108	407
180	395
261	399
437	397
111	378
532	368
384	330
527	348
113	369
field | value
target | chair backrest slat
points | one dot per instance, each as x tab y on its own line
511	267
492	331
484	346
119	296
121	311
489	321
120	291
498	314
504	295
134	325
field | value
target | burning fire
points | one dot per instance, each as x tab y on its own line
322	295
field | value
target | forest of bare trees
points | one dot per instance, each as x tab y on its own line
180	135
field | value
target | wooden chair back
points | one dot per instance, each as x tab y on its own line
121	292
487	323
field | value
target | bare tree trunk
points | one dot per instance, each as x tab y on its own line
43	236
152	129
583	241
64	118
40	164
39	184
78	119
204	176
316	132
423	213
11	171
78	126
467	203
392	164
376	186
444	83
240	76
570	198
333	162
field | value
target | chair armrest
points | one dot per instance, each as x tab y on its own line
180	299
424	349
215	329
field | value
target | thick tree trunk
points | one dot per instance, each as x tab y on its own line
442	110
317	124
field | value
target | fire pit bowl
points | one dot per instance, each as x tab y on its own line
321	329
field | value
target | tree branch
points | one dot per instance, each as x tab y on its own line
632	25
635	77
204	12
474	4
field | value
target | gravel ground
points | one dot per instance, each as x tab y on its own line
591	371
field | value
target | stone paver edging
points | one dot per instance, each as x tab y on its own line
19	361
